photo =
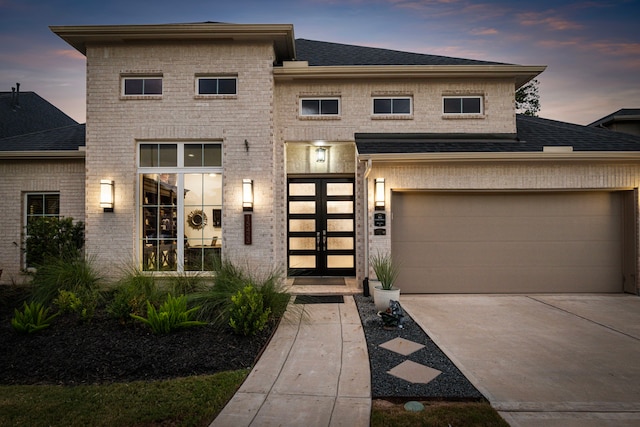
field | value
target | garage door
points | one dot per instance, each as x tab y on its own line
508	242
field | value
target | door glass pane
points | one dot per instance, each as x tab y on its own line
344	243
302	189
340	207
340	261
302	243
302	207
302	225
340	189
339	225
302	261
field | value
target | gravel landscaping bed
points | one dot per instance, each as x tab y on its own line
450	385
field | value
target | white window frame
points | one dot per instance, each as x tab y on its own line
181	171
392	98
319	99
124	79
26	215
215	77
480	97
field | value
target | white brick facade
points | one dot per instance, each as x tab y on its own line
19	177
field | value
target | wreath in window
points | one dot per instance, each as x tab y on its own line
197	219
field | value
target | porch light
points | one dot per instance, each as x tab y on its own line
379	194
106	195
247	195
321	154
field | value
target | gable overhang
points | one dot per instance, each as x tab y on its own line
281	35
298	70
527	156
42	155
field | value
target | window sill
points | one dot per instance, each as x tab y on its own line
463	116
319	117
139	97
392	117
215	97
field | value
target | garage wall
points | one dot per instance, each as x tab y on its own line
527	176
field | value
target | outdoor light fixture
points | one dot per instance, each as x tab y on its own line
106	195
321	154
379	194
247	195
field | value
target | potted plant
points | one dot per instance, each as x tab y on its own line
386	271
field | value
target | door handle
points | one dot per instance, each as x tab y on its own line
324	238
317	241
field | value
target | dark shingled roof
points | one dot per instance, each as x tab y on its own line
31	114
533	133
68	138
319	53
618	115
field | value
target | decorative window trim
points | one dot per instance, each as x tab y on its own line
392	115
125	77
218	77
463	114
320	100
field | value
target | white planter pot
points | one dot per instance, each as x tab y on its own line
383	296
372	287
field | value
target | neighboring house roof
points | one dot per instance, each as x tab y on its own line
319	53
533	135
30	114
68	138
624	114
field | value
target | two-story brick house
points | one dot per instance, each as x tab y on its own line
240	140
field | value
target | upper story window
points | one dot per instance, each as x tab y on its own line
217	85
142	85
462	105
180	155
320	107
399	106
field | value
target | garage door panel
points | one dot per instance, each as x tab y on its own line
515	254
504	228
503	280
508	242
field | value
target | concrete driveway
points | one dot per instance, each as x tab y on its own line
543	360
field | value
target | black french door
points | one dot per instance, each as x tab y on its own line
321	226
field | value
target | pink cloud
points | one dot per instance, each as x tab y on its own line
69	53
484	32
547	19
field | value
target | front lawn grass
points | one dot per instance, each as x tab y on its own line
192	401
436	414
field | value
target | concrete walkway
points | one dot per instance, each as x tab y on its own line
543	360
314	372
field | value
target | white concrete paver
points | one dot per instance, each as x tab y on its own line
542	360
314	372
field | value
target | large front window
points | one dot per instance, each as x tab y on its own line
180	205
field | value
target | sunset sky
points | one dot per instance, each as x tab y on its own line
591	48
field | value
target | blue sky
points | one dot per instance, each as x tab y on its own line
591	48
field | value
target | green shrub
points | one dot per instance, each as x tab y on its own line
68	273
49	237
131	295
186	283
248	315
84	306
171	315
216	300
32	318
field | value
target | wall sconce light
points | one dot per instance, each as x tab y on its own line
106	195
379	194
321	154
247	195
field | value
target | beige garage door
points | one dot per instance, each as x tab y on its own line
508	242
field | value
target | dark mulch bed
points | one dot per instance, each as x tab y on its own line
103	351
450	385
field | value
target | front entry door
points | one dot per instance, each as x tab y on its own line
321	226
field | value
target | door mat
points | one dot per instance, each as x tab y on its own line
319	299
318	281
